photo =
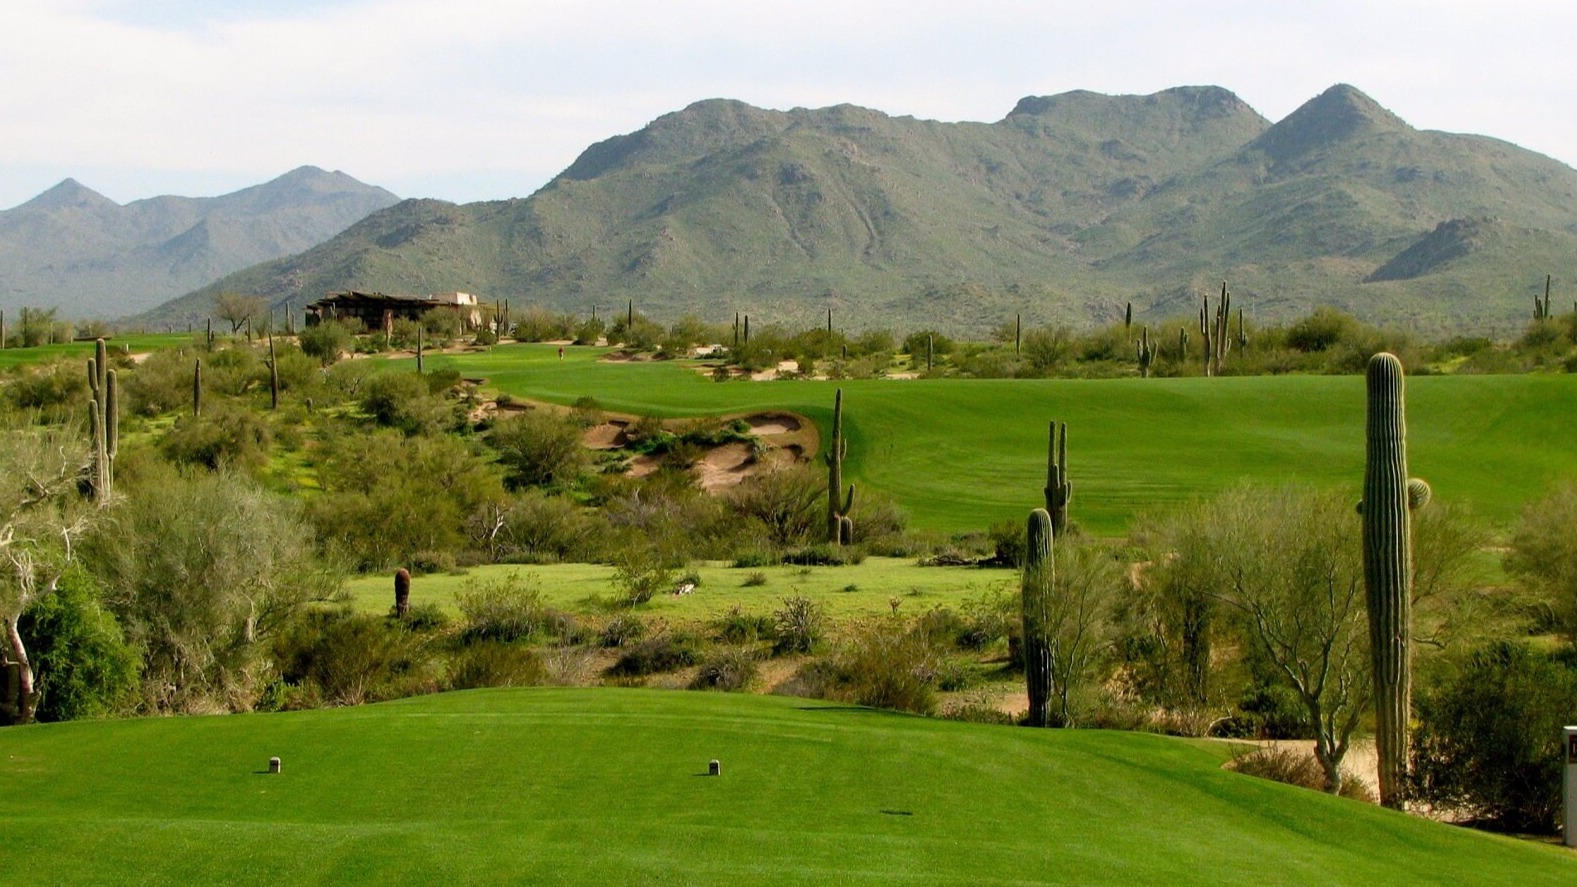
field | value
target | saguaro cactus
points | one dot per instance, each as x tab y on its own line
1035	609
1146	353
103	421
273	372
197	388
402	592
1388	499
1058	491
837	448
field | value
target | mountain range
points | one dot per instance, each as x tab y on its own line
76	250
1064	210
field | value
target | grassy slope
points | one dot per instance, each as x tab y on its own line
605	786
862	589
962	454
139	342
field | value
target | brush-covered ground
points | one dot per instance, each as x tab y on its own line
609	786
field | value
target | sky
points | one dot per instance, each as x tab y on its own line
469	100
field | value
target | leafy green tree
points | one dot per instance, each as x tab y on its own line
41	517
84	666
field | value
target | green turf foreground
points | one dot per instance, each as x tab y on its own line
609	786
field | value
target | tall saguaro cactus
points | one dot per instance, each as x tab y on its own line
1035	609
103	421
1058	491
1388	499
839	524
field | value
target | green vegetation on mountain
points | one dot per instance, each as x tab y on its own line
1063	211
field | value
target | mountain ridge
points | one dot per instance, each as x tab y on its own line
1063	210
70	246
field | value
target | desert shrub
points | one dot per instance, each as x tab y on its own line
825	554
641	572
739	627
728	669
1007	543
494	664
46	387
814	679
1291	767
534	527
298	371
788	503
665	652
798	626
326	340
507	609
1543	556
977	713
201	570
988	619
387	497
160	384
426	617
1321	330
83	665
224	436
539	449
404	401
885	663
355	658
1489	738
620	630
915	343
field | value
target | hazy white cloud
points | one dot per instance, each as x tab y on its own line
475	99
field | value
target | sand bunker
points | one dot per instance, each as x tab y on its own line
607	436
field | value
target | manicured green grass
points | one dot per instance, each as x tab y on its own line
963	454
137	342
854	590
608	786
